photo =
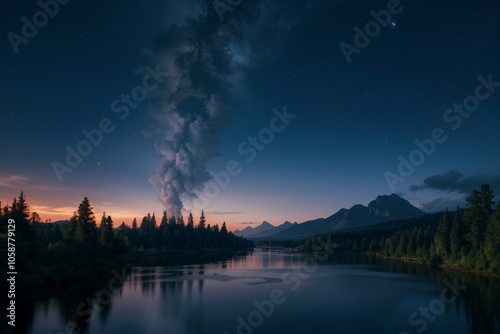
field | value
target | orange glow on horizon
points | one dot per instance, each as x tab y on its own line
65	213
59	204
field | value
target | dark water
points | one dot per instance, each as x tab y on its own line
263	292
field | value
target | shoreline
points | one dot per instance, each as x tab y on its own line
450	267
442	266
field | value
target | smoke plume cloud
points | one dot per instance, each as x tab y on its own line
204	57
190	114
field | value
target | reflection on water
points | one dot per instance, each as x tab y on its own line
349	293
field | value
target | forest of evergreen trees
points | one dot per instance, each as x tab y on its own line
468	238
79	248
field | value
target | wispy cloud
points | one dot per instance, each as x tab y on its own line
455	181
248	223
49	210
13	181
224	213
440	204
20	182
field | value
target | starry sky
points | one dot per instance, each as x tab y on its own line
260	110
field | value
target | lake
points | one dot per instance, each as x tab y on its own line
267	292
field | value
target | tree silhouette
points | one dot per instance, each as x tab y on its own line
201	224
86	225
190	220
442	238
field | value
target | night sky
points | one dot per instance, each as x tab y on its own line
295	115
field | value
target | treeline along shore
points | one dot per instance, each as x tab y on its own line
79	248
466	239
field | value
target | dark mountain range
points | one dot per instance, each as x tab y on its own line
382	209
263	230
250	231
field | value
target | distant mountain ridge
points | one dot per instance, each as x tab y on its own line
250	231
383	208
263	230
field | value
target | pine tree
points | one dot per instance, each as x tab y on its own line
86	226
109	226
20	209
420	238
70	231
442	237
172	221
487	202
412	243
456	236
19	212
382	246
402	245
120	240
145	232
223	229
153	222
190	221
134	234
164	219
144	224
103	222
81	233
202	220
394	241
106	231
479	209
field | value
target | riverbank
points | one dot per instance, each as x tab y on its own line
450	267
444	266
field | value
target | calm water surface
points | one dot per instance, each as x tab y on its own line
267	292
